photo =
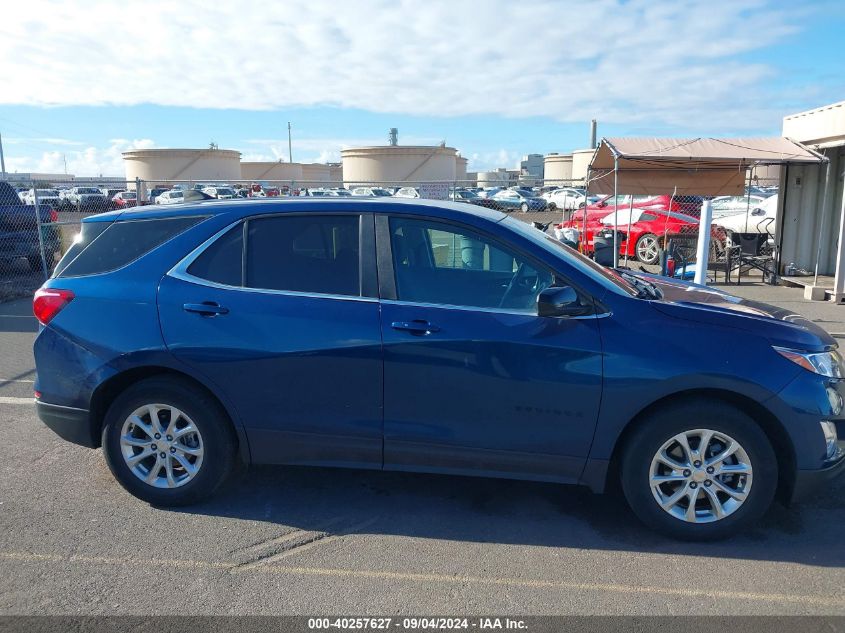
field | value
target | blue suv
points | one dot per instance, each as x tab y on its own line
430	337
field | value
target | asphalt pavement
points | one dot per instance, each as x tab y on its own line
322	541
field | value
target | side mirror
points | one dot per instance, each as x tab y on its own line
560	301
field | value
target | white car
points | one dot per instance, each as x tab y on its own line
174	196
758	219
370	192
407	192
221	193
45	196
566	198
732	205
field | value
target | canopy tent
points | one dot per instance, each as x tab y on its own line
693	166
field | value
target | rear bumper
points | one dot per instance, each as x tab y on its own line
69	423
808	481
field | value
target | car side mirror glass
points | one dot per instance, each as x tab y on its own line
560	301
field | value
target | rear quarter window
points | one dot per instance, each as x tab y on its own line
122	243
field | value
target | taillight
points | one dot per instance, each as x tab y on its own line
48	302
54	217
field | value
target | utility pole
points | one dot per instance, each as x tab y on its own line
290	146
2	159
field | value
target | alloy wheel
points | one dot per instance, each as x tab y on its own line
161	446
700	476
648	249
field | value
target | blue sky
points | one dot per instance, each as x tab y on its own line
496	80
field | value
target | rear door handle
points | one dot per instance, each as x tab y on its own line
206	308
418	326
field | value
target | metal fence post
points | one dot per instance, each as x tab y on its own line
38	225
703	251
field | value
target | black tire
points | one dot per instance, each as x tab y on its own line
650	258
552	206
665	423
524	207
218	437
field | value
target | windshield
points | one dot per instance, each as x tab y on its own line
48	192
225	192
88	190
607	277
128	195
380	192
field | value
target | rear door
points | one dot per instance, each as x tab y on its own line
280	313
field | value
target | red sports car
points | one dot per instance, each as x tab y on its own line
649	230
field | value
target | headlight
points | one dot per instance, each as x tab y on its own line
823	363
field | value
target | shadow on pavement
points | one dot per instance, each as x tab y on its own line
504	511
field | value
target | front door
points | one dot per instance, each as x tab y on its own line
288	333
474	381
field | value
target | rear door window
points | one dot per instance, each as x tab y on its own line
312	253
222	261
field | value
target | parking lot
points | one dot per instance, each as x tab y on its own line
301	540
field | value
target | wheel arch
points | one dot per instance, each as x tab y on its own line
105	394
768	422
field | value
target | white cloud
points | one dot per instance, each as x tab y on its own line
671	62
91	161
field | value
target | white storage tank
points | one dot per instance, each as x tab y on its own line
581	159
557	169
398	163
161	165
270	170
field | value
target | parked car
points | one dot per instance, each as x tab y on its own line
489	192
19	230
547	366
407	192
155	192
569	198
760	219
371	192
124	199
173	196
649	231
733	205
513	199
49	197
221	193
85	199
689	205
465	195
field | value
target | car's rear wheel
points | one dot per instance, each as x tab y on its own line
552	206
167	442
648	248
699	471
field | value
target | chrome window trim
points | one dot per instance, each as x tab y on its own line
180	271
447	306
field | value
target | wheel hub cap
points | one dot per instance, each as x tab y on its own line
700	476
161	446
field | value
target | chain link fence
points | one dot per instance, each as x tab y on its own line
39	220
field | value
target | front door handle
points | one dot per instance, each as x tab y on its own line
417	326
206	308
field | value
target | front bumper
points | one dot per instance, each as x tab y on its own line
809	481
69	423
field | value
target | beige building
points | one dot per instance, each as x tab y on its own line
398	164
557	169
157	166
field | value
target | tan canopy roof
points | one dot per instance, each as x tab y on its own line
694	166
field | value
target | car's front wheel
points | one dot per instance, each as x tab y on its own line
168	442
699	471
524	207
